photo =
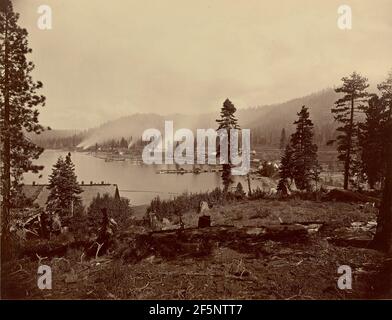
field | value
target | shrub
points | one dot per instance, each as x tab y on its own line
267	169
239	192
188	202
257	194
87	225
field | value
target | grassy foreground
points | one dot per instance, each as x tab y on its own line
274	270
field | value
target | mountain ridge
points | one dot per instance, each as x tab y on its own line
264	120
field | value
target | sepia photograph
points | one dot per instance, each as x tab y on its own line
215	151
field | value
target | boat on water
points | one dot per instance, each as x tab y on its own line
114	159
182	171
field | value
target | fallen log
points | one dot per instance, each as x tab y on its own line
52	249
310	226
349	196
277	232
305	223
201	241
356	242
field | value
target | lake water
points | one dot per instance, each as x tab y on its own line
138	182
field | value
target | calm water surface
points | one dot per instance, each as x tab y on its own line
139	183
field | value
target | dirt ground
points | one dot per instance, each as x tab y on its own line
276	270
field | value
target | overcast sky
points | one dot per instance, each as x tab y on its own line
105	59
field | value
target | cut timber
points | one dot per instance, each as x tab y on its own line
348	196
310	226
53	248
305	223
276	232
201	241
357	242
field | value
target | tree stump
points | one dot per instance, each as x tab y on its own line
204	221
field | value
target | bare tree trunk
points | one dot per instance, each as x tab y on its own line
6	174
6	163
249	186
383	237
348	155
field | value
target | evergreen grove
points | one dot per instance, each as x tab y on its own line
363	135
299	162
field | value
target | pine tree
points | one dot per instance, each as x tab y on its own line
227	121
55	203
283	139
385	89
299	162
72	188
345	110
383	236
239	191
286	169
373	137
305	151
371	140
18	114
64	189
123	143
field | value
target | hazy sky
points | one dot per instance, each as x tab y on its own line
105	59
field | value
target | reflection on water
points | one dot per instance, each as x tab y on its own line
139	183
